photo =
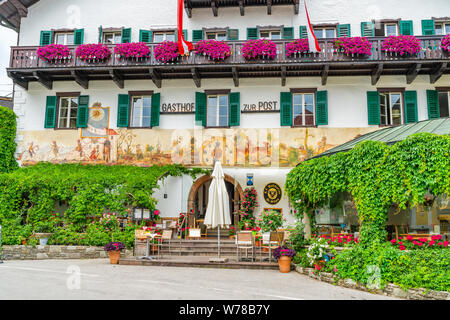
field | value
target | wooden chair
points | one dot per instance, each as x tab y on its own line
245	241
275	240
165	237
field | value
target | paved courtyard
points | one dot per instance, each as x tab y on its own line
97	279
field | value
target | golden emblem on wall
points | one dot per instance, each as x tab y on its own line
272	193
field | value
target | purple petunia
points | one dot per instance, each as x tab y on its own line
297	46
402	45
96	51
167	51
215	50
132	50
353	46
53	52
445	43
260	48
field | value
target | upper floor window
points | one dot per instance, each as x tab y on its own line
141	111
322	33
112	37
217	110
67	112
444	104
219	35
386	29
163	36
303	109
442	28
65	38
270	34
391	108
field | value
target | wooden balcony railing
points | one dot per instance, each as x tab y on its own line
26	57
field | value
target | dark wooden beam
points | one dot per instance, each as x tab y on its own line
376	74
196	77
156	77
412	73
296	6
437	73
235	76
214	8
241	7
21	9
325	71
269	6
117	77
283	76
188	8
17	80
43	79
81	79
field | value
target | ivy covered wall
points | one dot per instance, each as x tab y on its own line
7	140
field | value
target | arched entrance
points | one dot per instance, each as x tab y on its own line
198	196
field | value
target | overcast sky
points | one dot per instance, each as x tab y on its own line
8	38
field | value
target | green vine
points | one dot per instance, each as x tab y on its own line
7	140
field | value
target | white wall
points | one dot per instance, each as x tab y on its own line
144	14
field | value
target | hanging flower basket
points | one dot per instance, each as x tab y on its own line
259	49
54	53
213	49
354	46
297	47
402	45
445	44
167	51
93	53
132	51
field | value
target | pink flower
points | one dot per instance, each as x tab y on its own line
402	248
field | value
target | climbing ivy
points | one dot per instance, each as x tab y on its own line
7	140
375	175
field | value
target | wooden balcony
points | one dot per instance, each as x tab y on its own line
26	67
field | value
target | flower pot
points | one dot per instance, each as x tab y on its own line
284	263
43	238
231	237
258	243
265	249
114	257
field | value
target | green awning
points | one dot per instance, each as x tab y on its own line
392	135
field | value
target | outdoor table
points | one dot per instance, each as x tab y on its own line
147	249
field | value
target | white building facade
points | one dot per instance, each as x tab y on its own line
259	118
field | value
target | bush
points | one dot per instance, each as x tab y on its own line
7	140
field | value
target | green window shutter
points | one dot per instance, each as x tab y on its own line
433	104
428	28
145	36
83	111
252	33
46	38
406	27
156	105
303	32
234	111
233	35
126	35
78	37
197	35
373	107
123	110
200	108
100	34
367	29
50	112
286	109
344	30
185	35
288	33
321	108
410	106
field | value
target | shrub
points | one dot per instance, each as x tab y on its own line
408	242
215	50
270	221
53	52
260	48
132	50
167	51
402	45
7	140
354	45
445	43
297	46
93	52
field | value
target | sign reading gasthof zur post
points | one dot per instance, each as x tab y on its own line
178	107
272	193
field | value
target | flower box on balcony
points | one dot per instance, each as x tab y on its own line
166	52
445	45
297	47
259	49
54	53
93	53
136	51
401	46
354	46
213	49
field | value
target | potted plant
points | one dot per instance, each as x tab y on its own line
258	239
232	233
132	50
284	255
44	231
95	52
296	47
402	45
445	44
53	52
354	46
167	51
259	49
113	249
213	49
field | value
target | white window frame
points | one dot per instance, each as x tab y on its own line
389	104
304	109
217	107
114	34
69	109
140	125
216	35
271	31
323	30
164	35
448	103
66	35
391	24
443	26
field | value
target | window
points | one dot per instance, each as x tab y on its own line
67	39
219	36
141	111
67	114
444	104
386	29
270	34
217	110
112	37
303	109
442	28
322	33
391	108
163	36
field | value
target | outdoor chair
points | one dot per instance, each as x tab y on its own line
165	237
245	241
275	240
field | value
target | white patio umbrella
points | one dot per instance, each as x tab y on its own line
218	211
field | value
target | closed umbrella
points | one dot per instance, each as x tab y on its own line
218	211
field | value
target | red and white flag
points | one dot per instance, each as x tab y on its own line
183	46
312	40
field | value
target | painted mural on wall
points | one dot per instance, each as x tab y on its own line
98	144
